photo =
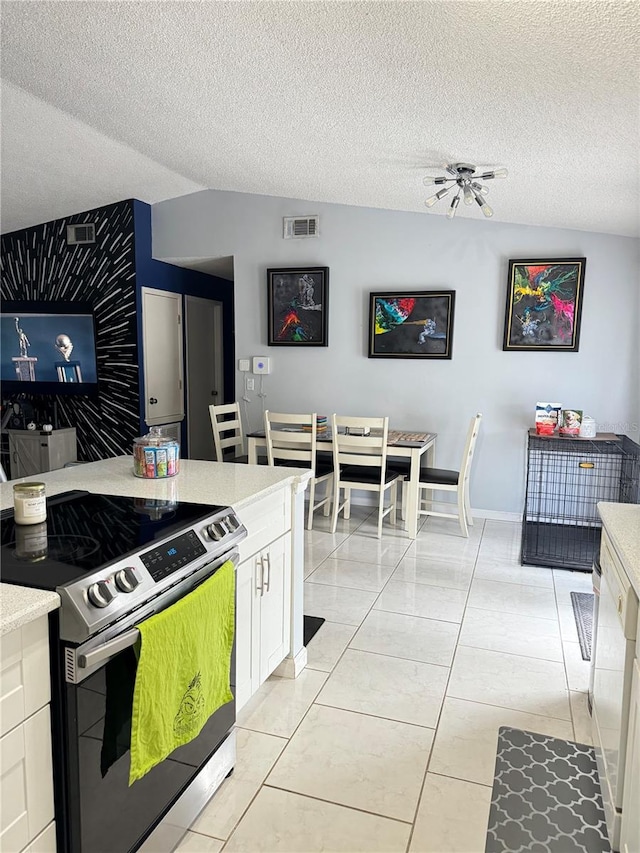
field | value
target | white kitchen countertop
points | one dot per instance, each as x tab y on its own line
623	526
224	483
19	605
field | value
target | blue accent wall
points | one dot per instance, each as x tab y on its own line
163	276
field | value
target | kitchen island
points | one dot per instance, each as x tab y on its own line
249	489
269	502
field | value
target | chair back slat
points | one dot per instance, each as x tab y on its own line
225	419
362	450
291	437
469	447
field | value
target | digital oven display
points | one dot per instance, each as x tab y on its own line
173	555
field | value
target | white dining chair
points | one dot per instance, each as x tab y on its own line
441	480
228	434
291	441
360	462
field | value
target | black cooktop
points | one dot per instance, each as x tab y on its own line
84	532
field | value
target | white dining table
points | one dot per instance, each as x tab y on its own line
413	446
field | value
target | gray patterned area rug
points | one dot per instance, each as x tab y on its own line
582	603
546	797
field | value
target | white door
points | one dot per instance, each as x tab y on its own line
162	356
275	606
203	330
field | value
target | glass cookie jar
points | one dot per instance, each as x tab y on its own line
156	455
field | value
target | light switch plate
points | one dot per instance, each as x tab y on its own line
244	364
261	364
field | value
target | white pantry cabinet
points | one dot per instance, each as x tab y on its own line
26	775
263	592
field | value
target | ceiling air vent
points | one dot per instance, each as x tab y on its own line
301	226
77	234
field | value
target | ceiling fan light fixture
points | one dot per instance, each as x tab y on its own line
469	188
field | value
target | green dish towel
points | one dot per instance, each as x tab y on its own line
183	670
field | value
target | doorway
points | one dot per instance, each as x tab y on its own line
205	372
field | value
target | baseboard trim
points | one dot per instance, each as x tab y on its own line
496	515
292	667
491	514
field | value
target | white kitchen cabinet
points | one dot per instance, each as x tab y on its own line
34	452
263	592
630	828
263	616
26	776
162	356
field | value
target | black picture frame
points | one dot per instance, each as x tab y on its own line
544	305
298	307
411	324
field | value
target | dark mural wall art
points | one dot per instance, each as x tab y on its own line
37	264
411	324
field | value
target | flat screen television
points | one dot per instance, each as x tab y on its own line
47	348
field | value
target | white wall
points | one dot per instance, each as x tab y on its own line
369	249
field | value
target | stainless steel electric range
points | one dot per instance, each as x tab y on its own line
115	561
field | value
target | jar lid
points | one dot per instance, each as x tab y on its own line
155	437
19	487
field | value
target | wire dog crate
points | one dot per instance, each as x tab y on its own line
566	478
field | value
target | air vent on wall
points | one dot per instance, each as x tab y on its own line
296	227
77	234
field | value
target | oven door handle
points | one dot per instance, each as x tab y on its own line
107	650
94	657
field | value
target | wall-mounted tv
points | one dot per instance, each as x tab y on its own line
47	348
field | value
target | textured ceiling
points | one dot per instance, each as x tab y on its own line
330	101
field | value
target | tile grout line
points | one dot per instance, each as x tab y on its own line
444	696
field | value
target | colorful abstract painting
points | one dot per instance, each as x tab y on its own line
411	325
544	303
298	306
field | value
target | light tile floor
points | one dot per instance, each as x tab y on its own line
387	741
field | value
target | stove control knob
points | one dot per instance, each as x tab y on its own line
215	531
232	522
99	594
126	579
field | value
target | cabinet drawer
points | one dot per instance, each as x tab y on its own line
624	596
266	519
24	676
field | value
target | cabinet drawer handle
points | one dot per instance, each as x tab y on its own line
260	576
267	581
620	604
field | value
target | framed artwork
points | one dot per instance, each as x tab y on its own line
411	324
544	304
298	306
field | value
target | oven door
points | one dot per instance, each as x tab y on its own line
96	810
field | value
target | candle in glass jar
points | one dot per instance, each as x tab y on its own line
29	503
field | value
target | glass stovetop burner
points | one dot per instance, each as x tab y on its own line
84	532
